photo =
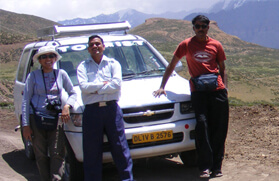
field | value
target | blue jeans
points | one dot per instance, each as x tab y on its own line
98	121
212	114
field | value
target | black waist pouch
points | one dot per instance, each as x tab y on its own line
45	122
205	82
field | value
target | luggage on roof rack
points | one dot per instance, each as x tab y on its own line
70	30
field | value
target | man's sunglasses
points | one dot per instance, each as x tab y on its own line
200	26
47	56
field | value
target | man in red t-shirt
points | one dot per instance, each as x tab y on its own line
205	55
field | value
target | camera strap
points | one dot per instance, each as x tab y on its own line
45	83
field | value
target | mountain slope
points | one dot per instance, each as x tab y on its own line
162	31
20	27
229	5
252	21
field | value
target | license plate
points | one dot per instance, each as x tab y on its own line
153	136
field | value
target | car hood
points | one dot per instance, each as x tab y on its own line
138	92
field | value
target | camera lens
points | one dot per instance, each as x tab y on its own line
49	106
54	105
58	108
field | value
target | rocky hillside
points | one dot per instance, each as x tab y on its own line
17	28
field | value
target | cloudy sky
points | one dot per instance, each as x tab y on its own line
58	10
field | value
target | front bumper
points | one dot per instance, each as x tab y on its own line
182	140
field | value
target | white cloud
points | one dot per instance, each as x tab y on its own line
68	9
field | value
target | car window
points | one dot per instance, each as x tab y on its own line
22	66
135	57
71	58
33	65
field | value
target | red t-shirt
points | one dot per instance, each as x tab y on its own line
202	57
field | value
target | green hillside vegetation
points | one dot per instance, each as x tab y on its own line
252	70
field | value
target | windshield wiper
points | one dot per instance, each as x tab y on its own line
147	72
129	75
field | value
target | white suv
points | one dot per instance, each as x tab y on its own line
153	126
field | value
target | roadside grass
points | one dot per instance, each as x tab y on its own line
8	71
7	105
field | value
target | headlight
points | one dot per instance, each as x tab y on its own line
186	107
77	119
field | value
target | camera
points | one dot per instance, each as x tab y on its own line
54	105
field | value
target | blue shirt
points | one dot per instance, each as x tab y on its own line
34	91
91	77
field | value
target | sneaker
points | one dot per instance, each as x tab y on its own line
205	173
217	173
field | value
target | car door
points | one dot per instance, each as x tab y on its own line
26	65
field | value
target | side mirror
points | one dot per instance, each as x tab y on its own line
178	67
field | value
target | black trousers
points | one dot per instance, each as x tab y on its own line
212	114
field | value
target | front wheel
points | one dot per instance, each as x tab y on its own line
73	168
189	158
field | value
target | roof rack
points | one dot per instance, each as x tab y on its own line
70	30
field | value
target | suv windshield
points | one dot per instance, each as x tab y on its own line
136	58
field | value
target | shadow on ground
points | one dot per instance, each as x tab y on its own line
22	165
155	169
152	169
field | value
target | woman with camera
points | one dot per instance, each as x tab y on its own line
41	108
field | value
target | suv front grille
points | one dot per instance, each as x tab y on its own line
177	137
148	113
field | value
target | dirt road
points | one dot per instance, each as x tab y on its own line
252	152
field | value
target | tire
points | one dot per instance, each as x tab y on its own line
28	147
73	168
189	158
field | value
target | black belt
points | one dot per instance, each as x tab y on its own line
103	103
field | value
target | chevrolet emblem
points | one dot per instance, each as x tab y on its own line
149	113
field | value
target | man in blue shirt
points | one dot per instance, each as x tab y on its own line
100	83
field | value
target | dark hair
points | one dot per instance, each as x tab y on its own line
95	36
201	18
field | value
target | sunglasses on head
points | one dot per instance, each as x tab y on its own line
200	26
47	56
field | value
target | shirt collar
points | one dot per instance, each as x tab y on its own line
104	58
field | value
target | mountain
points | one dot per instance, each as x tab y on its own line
254	21
20	27
134	17
17	29
229	5
251	20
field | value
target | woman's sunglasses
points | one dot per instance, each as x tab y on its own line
200	26
47	56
